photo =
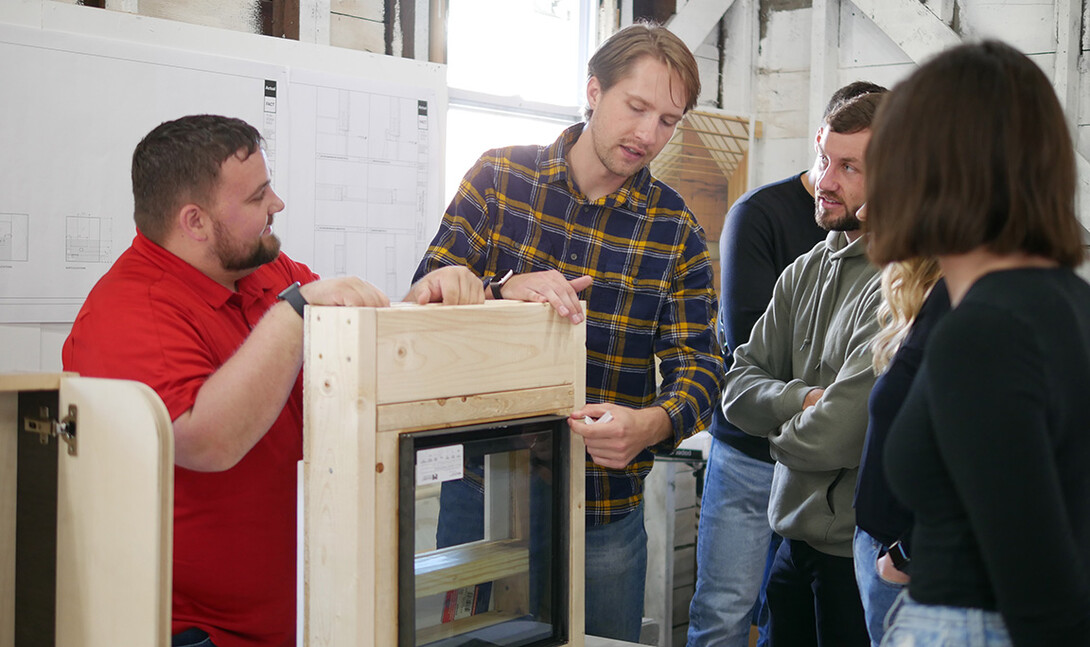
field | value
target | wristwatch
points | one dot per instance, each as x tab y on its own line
496	282
294	298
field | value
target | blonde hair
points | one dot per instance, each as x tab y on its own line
905	286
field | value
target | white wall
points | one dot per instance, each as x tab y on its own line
863	50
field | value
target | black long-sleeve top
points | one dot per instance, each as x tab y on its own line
876	509
764	232
991	453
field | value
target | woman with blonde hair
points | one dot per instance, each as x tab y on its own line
914	299
971	162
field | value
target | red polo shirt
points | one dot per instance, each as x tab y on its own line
156	319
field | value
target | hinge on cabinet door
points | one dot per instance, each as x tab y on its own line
46	426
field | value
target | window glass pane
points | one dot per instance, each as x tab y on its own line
527	48
486	516
472	131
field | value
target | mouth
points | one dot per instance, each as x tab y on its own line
632	153
828	202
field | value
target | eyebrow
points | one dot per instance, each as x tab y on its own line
258	190
644	102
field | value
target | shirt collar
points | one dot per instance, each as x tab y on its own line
554	168
250	286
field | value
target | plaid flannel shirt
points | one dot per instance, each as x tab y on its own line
518	209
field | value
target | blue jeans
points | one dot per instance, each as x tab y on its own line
734	547
876	593
937	626
616	570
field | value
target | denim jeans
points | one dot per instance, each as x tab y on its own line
813	599
915	625
616	570
734	547
876	593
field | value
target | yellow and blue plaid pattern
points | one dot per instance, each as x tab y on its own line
517	208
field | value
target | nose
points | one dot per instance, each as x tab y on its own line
645	127
826	181
277	204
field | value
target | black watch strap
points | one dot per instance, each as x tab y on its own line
899	556
496	282
294	298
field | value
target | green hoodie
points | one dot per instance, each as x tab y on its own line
815	333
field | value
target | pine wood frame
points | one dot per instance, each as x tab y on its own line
373	373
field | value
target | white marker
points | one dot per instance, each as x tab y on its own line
606	417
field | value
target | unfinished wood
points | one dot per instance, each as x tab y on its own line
9	406
462	625
468	564
387	487
115	517
15	382
441	413
461	350
401	361
577	486
339	477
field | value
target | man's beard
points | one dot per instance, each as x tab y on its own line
827	220
234	258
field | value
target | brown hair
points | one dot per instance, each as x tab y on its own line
615	58
854	114
179	161
851	91
972	150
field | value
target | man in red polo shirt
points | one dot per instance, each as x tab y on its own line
205	309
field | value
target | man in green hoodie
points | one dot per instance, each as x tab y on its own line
802	381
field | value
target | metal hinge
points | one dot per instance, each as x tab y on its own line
46	426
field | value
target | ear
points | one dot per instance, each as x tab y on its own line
594	92
193	222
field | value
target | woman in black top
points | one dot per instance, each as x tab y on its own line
914	299
971	162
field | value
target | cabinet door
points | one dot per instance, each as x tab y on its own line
115	501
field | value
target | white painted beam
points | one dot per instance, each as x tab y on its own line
1082	192
824	56
1068	46
697	19
627	13
944	9
915	29
314	21
421	27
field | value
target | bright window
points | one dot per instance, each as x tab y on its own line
517	75
526	48
472	131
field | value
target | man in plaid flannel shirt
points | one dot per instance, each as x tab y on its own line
583	218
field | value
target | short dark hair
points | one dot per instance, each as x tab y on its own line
855	114
972	150
849	92
615	58
179	161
